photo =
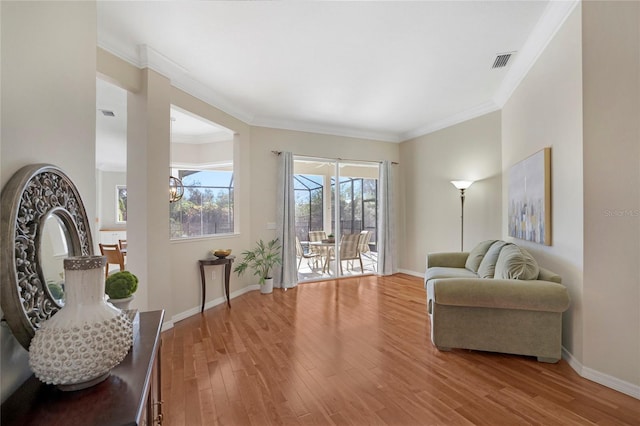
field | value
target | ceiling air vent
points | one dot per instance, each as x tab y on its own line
502	59
107	113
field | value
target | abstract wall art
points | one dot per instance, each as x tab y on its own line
529	211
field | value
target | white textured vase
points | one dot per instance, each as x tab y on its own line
78	346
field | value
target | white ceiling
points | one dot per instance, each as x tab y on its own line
381	70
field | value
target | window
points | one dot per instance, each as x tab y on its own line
202	158
206	207
121	204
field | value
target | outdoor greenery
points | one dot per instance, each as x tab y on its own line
122	203
357	203
202	211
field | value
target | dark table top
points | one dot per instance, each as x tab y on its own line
119	400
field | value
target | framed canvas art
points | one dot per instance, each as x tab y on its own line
529	211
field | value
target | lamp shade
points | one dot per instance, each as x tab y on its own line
462	184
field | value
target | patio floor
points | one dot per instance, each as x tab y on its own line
310	270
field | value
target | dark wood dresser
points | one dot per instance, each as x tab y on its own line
130	396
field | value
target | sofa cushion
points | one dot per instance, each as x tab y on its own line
477	254
488	265
516	263
534	295
444	272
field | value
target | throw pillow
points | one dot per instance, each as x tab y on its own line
516	263
477	254
488	265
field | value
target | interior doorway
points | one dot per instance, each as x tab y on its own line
111	163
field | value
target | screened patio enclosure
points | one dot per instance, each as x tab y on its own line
339	198
308	191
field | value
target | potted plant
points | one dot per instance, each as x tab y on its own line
120	287
261	259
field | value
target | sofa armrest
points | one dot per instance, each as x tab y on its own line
449	260
499	294
547	275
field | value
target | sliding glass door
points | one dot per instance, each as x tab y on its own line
336	217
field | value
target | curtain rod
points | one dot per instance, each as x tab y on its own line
335	159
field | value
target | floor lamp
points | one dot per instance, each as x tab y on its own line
462	185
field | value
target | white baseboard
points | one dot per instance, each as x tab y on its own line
601	378
414	273
168	324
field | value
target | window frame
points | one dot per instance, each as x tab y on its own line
177	171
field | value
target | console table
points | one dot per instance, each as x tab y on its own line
226	261
129	396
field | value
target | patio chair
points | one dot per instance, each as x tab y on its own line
302	255
316	236
348	251
365	250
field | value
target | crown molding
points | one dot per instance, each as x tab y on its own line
550	22
151	58
203	139
451	120
302	126
113	47
181	79
148	57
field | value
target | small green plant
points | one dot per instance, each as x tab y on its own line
56	290
261	259
121	285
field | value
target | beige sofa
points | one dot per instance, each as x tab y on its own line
495	298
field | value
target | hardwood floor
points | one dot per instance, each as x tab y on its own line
356	351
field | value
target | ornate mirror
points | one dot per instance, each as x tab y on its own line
43	221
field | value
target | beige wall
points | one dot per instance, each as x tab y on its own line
264	164
48	111
192	154
582	99
186	293
546	110
611	61
430	220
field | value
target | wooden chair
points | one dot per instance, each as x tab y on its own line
302	255
123	248
114	256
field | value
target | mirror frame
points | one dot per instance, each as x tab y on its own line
29	197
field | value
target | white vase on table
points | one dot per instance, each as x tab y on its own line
78	346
